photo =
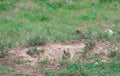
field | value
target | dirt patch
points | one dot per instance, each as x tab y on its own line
102	50
53	54
27	65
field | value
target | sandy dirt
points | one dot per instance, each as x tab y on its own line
53	52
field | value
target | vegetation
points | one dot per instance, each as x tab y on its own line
86	69
33	51
4	48
89	46
47	21
5	69
37	22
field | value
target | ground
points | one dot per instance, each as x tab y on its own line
24	64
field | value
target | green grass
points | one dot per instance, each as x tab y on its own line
86	69
4	69
89	46
57	21
33	51
4	48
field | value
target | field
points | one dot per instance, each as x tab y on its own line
59	38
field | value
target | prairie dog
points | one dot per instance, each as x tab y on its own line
68	53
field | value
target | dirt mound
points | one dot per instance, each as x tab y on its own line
56	52
52	52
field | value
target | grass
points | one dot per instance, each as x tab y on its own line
57	21
86	69
33	51
4	48
42	50
89	46
4	69
45	61
36	40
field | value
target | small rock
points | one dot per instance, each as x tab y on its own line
96	63
109	31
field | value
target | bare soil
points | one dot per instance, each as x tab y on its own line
27	65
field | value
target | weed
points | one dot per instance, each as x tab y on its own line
42	50
44	18
104	1
89	46
112	54
33	51
18	61
50	72
70	72
72	7
37	17
36	41
117	56
63	63
4	69
55	4
6	6
4	48
45	61
102	36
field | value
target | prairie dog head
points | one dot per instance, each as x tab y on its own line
68	53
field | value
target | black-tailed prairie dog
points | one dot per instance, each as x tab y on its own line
68	53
